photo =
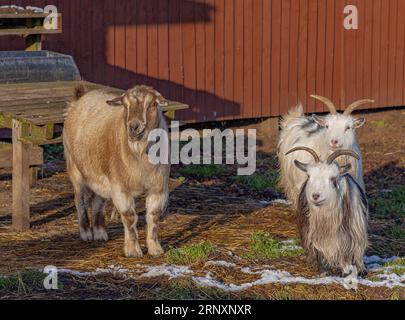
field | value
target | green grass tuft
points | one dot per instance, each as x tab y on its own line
389	204
24	281
395	232
379	123
259	182
397	262
203	171
263	246
189	254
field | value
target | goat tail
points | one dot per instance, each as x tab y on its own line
294	113
80	91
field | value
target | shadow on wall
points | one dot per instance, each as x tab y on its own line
124	42
196	99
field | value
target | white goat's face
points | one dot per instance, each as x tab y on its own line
322	185
340	130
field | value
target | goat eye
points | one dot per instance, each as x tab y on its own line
348	128
327	126
334	181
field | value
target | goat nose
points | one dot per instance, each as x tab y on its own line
316	196
134	128
334	142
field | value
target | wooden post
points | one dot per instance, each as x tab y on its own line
33	42
33	176
21	180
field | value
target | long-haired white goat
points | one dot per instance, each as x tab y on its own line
324	134
332	213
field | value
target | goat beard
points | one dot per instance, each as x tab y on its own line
324	232
138	147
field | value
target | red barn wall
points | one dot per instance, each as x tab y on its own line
233	59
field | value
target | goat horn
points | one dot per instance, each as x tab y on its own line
309	150
327	102
340	153
355	105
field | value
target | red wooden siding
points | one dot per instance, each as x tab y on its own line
232	59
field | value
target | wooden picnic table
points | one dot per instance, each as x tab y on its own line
32	110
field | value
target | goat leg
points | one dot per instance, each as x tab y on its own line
155	205
126	207
82	196
98	208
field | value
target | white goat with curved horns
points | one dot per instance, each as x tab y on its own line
332	213
324	134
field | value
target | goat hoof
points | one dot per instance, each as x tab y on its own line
86	235
100	234
133	251
155	250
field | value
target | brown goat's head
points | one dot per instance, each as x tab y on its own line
142	114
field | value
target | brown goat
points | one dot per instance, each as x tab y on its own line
106	143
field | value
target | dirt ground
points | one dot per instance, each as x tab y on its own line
213	209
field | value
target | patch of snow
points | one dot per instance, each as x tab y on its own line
233	255
170	271
276	202
284	277
385	277
378	260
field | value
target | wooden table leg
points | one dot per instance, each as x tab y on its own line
21	180
33	176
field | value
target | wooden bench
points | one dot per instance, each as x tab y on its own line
31	111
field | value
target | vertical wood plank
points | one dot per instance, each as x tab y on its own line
200	59
189	54
329	51
303	52
266	59
312	52
276	56
99	44
400	57
384	45
320	54
219	61
120	73
392	51
152	42
350	54
360	38
376	50
248	59
284	56
338	61
130	43
229	109
368	52
239	55
142	42
294	49
21	180
257	58
209	112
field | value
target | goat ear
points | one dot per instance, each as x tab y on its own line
345	168
358	123
301	166
117	102
319	120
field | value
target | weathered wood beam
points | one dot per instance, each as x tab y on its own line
36	156
21	180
